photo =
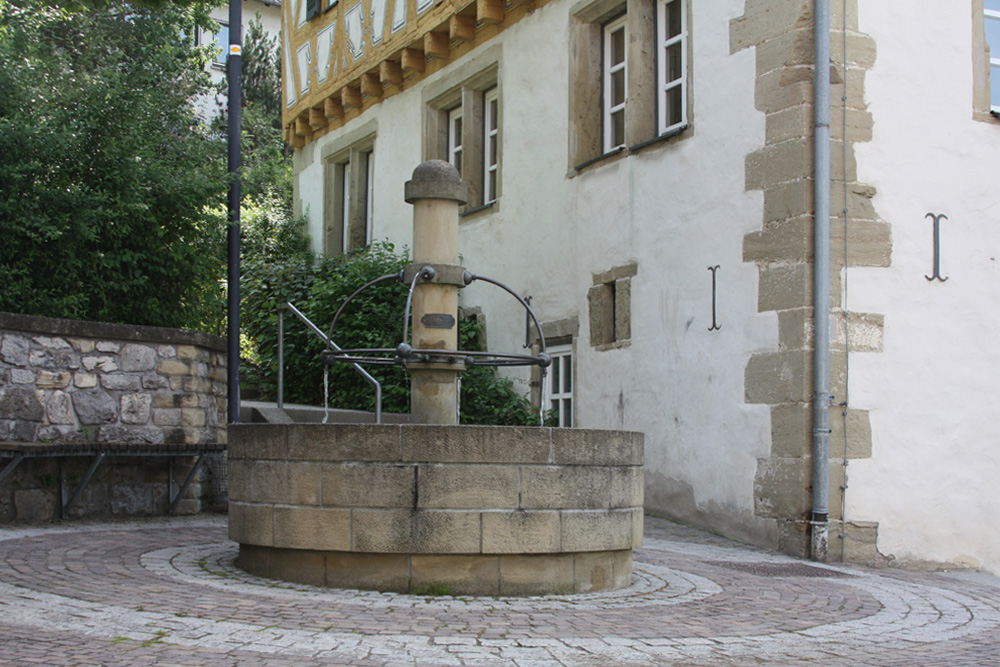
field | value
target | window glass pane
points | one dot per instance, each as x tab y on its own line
567	412
369	159
491	148
556	383
672	62
995	86
345	204
555	411
618	46
222	42
568	374
674	102
455	138
993	36
617	129
617	87
674	18
993	4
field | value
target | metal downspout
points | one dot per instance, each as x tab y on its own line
819	517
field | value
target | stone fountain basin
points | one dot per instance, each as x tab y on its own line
462	510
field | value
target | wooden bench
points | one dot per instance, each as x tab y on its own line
15	452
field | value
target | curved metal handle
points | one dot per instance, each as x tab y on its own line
426	273
527	307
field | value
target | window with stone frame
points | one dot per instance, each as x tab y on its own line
464	128
557	392
560	338
349	177
991	28
629	70
610	305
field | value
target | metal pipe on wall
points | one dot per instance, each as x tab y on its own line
819	517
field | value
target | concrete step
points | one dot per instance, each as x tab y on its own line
260	412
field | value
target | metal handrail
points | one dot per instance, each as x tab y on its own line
329	343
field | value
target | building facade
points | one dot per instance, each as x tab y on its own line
643	170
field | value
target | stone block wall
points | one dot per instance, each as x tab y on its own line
478	510
782	36
75	381
127	387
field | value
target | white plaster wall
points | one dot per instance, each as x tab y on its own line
675	209
933	395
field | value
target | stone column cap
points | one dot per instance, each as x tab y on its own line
436	179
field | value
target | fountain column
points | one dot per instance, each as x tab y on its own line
436	191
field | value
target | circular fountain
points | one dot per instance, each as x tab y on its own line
432	506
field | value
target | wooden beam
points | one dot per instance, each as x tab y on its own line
332	108
436	45
370	85
462	28
390	73
350	97
413	60
317	119
489	11
302	128
298	142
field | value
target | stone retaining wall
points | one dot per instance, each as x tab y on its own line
75	381
470	509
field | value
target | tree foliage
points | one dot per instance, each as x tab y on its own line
104	171
261	71
372	320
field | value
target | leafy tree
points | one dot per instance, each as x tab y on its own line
104	171
260	73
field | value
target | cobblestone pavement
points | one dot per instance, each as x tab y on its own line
166	592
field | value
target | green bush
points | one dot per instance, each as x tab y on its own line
373	320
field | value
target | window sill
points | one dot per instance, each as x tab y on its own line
635	148
479	209
604	156
669	134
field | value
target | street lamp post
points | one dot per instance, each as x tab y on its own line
233	235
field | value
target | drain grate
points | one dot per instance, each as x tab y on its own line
780	569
